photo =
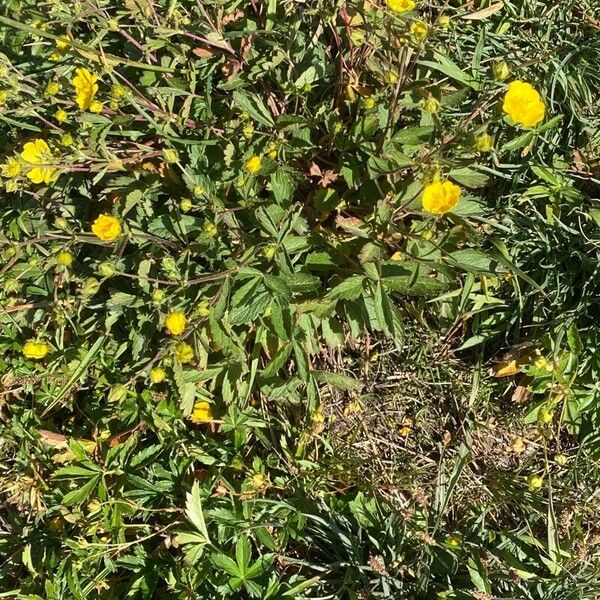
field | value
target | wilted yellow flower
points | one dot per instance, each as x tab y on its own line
106	228
443	21
157	375
440	197
401	6
202	413
523	104
39	156
419	30
118	92
484	142
535	482
85	90
175	322
35	350
184	352
253	165
62	45
11	168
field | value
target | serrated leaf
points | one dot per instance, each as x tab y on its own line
194	512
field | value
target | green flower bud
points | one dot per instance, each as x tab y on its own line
170	155
107	269
158	296
90	286
501	71
204	308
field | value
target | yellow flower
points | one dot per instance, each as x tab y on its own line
35	350
11	168
85	89
202	413
535	482
368	102
184	352
66	139
453	540
106	228
209	229
440	197
253	165
3	97
61	115
175	322
61	44
401	6
38	154
157	375
523	104
64	258
419	30
53	88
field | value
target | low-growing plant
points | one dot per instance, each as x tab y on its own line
244	245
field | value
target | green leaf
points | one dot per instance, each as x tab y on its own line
193	511
349	289
81	493
254	106
447	66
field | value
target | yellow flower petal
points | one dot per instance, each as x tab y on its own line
175	322
440	197
202	413
35	350
523	104
106	228
85	89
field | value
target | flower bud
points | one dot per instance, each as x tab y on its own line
209	229
270	251
484	142
535	482
158	296
107	269
431	105
501	71
185	205
90	286
64	258
170	155
204	308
